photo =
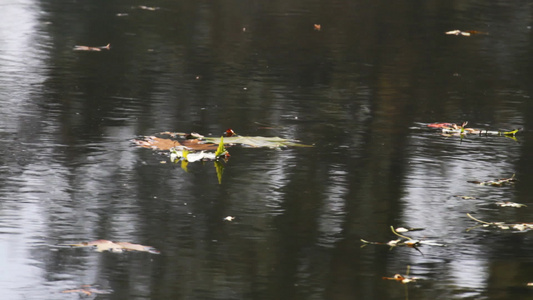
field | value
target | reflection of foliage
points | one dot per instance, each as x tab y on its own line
220	170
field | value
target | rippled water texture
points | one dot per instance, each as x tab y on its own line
361	90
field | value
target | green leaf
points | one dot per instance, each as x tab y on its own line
221	150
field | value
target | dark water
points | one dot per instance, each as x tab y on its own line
362	90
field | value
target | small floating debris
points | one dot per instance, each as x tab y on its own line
510	204
465	33
465	197
403	229
403	241
404	279
317	27
89	48
150	8
229	218
117	247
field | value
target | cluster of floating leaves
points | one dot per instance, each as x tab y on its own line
193	147
501	225
115	247
198	142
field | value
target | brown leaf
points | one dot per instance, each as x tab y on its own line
156	143
196	144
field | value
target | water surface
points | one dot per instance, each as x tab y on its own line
361	90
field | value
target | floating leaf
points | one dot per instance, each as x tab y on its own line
510	204
465	33
143	7
402	278
221	151
404	241
259	141
403	229
440	125
496	182
89	48
156	143
87	290
117	247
